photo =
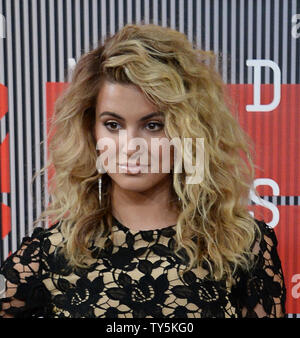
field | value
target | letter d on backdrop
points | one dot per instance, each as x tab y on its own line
257	106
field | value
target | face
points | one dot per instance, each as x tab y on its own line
125	109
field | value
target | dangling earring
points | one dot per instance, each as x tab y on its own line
100	188
101	170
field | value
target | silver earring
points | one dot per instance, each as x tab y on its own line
101	170
100	188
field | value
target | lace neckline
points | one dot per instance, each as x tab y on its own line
124	228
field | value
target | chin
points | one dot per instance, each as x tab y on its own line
137	183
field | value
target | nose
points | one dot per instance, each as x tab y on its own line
131	145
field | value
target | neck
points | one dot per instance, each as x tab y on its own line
155	207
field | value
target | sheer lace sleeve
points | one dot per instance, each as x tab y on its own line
25	295
263	290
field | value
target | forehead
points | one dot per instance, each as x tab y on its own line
123	99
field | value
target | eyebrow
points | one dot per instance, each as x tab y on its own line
146	117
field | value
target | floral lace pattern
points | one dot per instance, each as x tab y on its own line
135	276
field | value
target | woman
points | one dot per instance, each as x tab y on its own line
129	243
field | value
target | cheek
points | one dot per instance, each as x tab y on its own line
165	157
160	158
107	148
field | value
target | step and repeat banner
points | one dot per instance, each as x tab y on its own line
258	43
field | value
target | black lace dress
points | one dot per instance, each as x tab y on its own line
136	276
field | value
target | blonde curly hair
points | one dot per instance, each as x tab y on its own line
183	82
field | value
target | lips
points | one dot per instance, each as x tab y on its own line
134	165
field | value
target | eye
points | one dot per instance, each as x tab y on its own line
157	124
152	126
111	125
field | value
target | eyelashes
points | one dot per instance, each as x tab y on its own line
109	124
